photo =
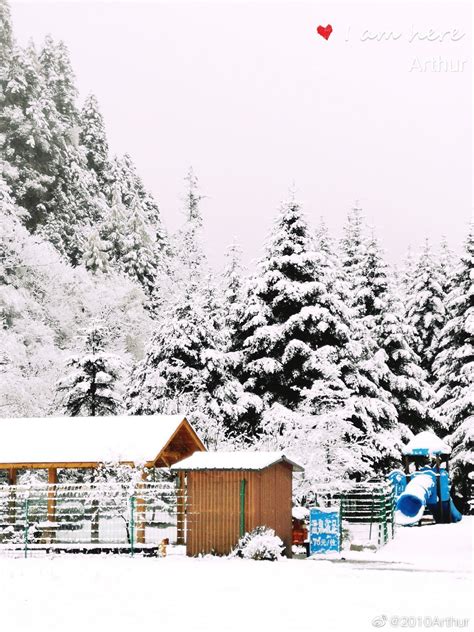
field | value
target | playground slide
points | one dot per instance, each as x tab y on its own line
422	492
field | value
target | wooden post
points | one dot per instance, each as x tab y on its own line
52	480
140	507
12	500
181	509
48	533
95	522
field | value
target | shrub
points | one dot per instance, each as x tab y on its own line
259	544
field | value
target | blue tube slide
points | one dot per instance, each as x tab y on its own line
421	492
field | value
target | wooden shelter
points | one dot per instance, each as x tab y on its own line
85	442
229	494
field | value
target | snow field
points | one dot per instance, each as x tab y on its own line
218	594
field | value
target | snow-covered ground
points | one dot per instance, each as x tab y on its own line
423	574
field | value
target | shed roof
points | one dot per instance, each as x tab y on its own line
426	443
87	440
238	460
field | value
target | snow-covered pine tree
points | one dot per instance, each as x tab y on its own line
188	247
186	367
6	38
353	250
233	292
454	363
124	175
382	314
426	308
75	204
295	328
366	373
95	257
279	353
114	224
94	139
447	266
139	256
92	385
462	465
59	79
30	132
174	375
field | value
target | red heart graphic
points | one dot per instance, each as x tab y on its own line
325	31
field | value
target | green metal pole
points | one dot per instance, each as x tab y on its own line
340	526
132	525
371	515
242	507
26	527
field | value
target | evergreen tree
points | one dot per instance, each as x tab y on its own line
124	175
75	204
454	364
138	259
279	354
353	250
462	465
59	79
186	365
368	375
31	132
188	246
93	138
294	328
92	387
6	39
177	373
382	314
426	308
113	226
233	290
95	256
447	266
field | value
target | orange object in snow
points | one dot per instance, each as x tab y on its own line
300	532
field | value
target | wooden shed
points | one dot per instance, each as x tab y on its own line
230	493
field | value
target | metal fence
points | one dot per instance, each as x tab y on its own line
367	510
90	517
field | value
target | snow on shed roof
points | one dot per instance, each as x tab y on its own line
426	444
137	439
238	460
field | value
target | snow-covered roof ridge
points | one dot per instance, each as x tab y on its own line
237	460
136	439
426	443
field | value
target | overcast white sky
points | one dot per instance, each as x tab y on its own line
255	100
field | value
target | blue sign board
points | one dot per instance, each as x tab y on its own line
324	530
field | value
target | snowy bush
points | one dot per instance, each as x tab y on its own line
259	544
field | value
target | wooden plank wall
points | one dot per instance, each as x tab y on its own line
276	504
213	506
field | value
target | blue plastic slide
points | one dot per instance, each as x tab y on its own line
421	492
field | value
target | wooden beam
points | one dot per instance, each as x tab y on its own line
191	437
12	497
49	533
140	507
86	465
52	480
181	509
